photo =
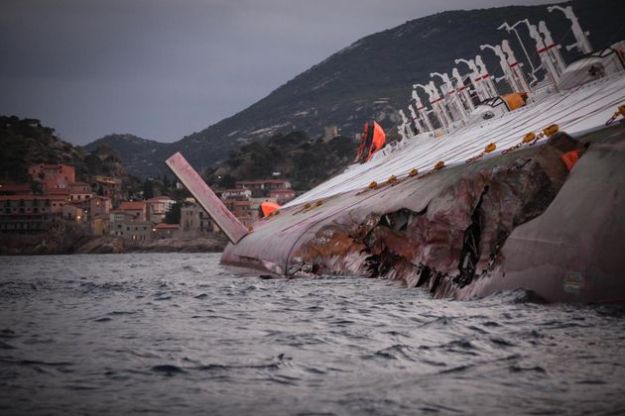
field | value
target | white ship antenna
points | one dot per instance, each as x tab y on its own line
432	98
503	63
553	49
581	36
420	109
547	64
515	66
416	118
438	104
401	129
464	91
512	28
451	93
476	78
489	85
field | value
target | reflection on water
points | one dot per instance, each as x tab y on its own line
180	334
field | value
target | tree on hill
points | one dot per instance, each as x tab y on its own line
148	189
227	181
172	216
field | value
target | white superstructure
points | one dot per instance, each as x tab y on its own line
577	98
575	111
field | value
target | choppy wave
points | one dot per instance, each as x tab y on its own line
180	334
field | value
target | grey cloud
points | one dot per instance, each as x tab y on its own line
162	69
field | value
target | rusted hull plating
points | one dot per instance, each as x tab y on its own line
517	221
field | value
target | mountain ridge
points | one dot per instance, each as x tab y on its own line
372	77
141	157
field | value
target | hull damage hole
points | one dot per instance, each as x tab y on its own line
471	246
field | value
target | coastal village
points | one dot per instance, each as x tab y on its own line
101	206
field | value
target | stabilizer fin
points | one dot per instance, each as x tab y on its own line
205	196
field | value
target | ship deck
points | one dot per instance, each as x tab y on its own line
576	111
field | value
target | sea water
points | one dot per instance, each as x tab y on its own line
180	334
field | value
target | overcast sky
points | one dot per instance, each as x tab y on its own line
162	69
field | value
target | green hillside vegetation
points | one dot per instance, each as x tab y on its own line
27	141
305	162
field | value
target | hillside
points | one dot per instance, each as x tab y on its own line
373	78
141	157
27	141
305	162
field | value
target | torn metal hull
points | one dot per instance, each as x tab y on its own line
517	220
574	250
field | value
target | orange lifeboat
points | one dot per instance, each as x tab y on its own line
372	139
267	208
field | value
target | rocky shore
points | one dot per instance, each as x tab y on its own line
164	245
68	238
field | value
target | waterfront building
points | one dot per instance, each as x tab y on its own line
100	206
109	187
52	177
99	225
240	194
29	213
282	196
10	188
194	220
163	230
79	192
74	213
135	210
262	187
243	210
157	208
125	224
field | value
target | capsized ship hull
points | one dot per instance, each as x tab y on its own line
514	218
519	220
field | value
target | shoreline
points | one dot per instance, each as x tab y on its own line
67	238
